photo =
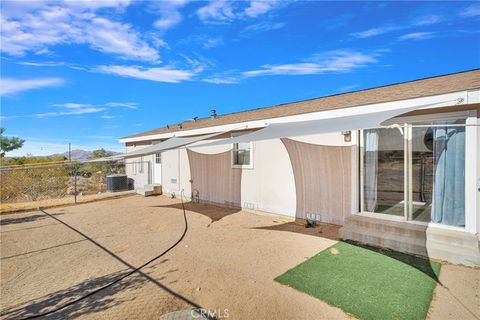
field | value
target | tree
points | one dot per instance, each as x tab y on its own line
9	143
100	153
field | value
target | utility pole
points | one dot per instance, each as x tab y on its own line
69	151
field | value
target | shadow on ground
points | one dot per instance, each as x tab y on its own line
98	302
9	221
431	269
215	213
324	230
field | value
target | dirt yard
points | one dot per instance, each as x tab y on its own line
68	200
226	263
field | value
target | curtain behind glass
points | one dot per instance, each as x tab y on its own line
370	165
449	179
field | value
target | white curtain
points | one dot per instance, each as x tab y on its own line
370	166
449	180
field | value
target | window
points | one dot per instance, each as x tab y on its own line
158	158
242	155
418	176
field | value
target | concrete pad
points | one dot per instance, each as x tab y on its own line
459	297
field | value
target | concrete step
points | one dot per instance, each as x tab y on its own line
391	240
149	190
455	254
145	193
387	226
438	243
153	187
453	237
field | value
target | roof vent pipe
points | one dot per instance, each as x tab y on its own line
213	114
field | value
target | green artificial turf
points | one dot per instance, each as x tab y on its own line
367	282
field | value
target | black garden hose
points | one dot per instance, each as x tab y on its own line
118	279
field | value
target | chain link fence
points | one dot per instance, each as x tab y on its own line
65	182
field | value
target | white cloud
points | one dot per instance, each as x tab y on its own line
163	74
373	32
38	27
128	105
219	80
258	8
471	11
169	21
216	10
223	11
70	105
11	86
417	36
69	112
73	109
169	12
117	38
333	61
212	42
427	20
421	21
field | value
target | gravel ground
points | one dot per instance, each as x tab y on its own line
226	263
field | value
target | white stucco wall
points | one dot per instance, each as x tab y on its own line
269	186
140	178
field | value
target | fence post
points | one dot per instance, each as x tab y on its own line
75	183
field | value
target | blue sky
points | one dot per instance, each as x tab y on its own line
89	72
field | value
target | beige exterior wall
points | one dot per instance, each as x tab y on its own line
268	186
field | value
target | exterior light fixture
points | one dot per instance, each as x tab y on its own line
347	136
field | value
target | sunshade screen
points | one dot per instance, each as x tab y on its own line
172	143
319	126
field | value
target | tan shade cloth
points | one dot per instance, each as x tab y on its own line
214	179
319	126
172	143
323	180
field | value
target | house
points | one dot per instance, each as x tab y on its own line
397	166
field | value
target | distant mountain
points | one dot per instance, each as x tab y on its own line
79	154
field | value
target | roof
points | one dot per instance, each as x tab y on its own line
460	81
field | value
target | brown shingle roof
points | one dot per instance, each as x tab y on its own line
412	89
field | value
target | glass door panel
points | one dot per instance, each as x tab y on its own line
422	173
383	171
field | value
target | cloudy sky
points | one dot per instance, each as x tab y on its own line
89	72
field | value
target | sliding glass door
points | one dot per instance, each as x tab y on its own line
417	172
383	171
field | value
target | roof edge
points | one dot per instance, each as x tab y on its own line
312	99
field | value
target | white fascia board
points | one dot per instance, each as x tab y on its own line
399	104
